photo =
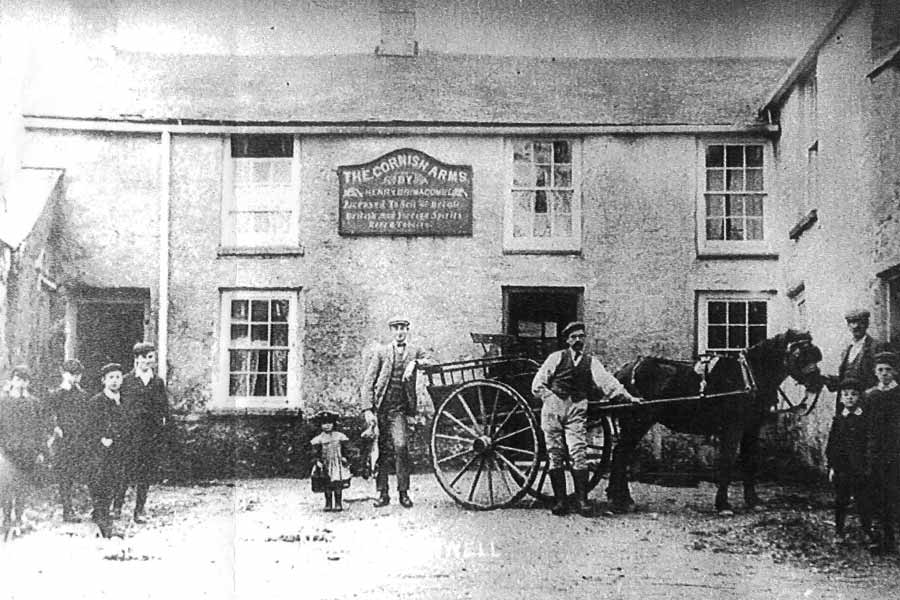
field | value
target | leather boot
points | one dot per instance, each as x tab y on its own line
328	501
558	483
405	502
338	500
580	478
383	500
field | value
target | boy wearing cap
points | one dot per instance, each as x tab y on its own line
563	383
846	453
68	407
883	448
106	443
388	398
23	433
146	404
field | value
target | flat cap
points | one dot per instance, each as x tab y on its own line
22	372
573	326
886	358
857	314
109	368
851	383
143	349
397	320
73	366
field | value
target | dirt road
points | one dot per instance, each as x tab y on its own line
269	539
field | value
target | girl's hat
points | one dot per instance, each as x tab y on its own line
326	417
886	358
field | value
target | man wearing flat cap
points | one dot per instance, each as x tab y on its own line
857	359
563	383
388	398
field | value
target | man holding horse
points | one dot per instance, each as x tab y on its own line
563	383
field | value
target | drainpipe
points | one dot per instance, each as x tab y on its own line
165	190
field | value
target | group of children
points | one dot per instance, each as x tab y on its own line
109	440
863	454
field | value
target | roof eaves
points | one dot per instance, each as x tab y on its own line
802	65
892	57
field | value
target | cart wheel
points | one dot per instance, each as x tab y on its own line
599	454
485	444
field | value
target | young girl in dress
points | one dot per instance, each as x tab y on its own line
330	446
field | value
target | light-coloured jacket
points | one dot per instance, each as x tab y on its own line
378	375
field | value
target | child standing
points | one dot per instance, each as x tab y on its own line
330	446
883	452
846	453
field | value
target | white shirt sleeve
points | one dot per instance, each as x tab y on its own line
604	380
540	385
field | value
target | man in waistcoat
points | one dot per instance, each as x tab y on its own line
389	397
563	383
857	359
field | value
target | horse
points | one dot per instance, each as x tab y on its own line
728	396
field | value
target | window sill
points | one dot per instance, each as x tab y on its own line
803	224
261	251
253	411
736	250
531	246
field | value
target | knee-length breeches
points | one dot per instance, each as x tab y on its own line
563	424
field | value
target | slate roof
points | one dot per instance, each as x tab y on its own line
430	88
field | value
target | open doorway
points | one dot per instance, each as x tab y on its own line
536	315
106	332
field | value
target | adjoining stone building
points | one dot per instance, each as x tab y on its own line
838	149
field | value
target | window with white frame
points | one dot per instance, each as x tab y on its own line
261	195
729	322
733	199
544	208
260	354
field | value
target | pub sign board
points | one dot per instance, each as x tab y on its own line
405	192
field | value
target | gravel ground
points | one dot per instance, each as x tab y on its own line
269	539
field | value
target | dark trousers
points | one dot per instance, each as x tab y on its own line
392	444
69	464
887	496
852	486
106	478
140	470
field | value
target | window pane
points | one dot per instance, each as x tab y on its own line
734	156
256	146
258	385
522	211
735	228
562	153
279	335
715	206
541	225
278	384
714	179
715	156
280	310
238	333
562	225
716	312
259	310
562	176
735	206
737	312
259	361
754	156
542	152
281	172
737	337
754	205
735	180
758	313
522	152
238	385
542	176
259	333
239	310
540	202
755	180
523	174
279	360
239	360
715	336
562	202
715	229
757	335
261	171
754	229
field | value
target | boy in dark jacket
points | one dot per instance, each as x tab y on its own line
67	404
846	453
883	448
106	440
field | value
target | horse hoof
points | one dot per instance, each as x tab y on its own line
726	512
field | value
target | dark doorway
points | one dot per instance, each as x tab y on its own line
535	316
107	331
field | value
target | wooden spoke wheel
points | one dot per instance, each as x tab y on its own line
485	445
599	456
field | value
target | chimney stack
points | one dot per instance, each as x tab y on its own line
398	28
